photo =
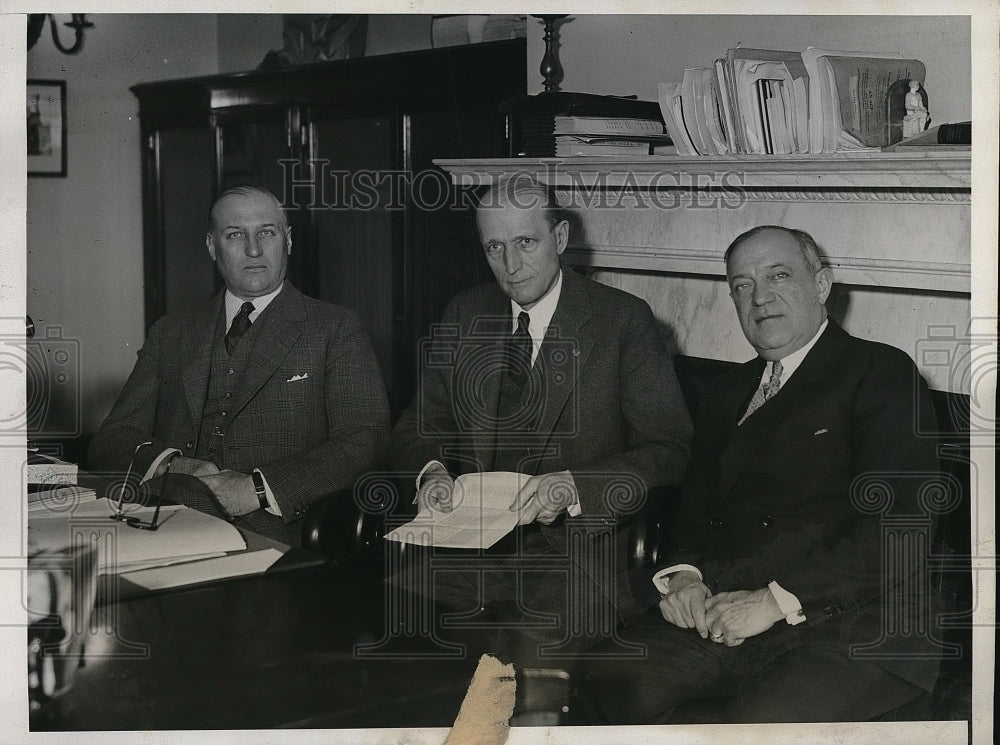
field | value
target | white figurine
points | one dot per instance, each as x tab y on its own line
916	113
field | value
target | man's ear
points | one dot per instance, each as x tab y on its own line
824	283
210	245
561	231
288	239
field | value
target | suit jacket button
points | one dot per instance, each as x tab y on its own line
767	521
189	445
715	522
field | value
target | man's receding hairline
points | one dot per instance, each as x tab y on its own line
810	251
521	192
247	191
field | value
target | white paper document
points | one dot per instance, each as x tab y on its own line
235	565
480	514
183	535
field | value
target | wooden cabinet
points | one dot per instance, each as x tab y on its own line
348	148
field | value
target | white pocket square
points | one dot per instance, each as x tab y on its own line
820	432
292	379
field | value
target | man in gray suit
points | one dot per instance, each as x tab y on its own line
268	397
554	376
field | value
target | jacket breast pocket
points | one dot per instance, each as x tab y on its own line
813	434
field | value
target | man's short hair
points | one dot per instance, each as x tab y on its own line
244	190
524	191
812	253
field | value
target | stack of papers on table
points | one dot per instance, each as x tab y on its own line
183	535
480	514
47	469
57	498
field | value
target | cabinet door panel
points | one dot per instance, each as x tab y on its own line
188	274
443	254
354	227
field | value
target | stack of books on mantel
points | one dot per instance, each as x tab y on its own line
775	102
567	125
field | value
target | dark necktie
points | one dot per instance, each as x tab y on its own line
766	391
519	352
239	326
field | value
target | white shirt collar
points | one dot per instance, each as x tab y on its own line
233	304
540	316
791	363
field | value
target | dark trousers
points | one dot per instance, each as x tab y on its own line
786	674
516	598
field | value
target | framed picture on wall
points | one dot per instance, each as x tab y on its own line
46	110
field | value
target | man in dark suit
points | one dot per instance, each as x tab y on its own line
270	398
551	375
781	597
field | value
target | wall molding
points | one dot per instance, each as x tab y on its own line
898	220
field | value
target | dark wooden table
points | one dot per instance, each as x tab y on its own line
273	650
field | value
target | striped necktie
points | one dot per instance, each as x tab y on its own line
764	392
519	352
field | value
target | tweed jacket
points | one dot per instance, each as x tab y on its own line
312	413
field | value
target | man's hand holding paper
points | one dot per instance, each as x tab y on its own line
543	498
436	489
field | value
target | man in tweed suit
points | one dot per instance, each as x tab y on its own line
592	409
268	397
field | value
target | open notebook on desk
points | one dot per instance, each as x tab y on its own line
188	547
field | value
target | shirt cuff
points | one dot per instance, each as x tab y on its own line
574	510
423	471
156	463
272	504
788	603
661	580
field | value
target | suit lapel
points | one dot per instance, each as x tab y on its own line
281	326
565	350
197	350
808	381
486	336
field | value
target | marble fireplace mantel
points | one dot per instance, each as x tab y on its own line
890	220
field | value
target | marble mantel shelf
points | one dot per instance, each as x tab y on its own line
889	220
923	170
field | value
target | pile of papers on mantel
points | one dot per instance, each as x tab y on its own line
765	101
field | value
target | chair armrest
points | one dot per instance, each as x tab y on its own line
348	525
648	532
337	528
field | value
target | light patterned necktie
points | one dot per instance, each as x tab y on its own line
765	392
